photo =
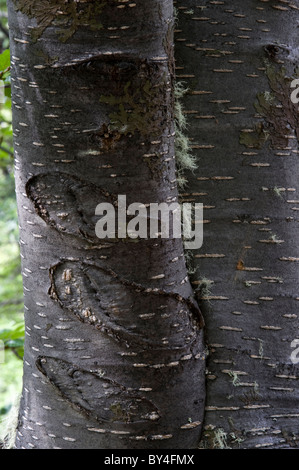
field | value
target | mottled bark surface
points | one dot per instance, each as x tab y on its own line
113	354
237	59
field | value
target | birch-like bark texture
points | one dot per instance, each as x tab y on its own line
238	60
114	354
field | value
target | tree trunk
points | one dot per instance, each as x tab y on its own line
114	354
238	60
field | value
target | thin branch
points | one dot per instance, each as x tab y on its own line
6	150
4	30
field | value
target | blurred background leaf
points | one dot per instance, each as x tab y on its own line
4	60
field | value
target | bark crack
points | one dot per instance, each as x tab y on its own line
92	393
114	306
60	200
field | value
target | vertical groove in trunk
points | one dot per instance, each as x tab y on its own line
114	352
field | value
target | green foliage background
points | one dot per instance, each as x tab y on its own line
11	294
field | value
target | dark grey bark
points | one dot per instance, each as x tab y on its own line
229	54
114	355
